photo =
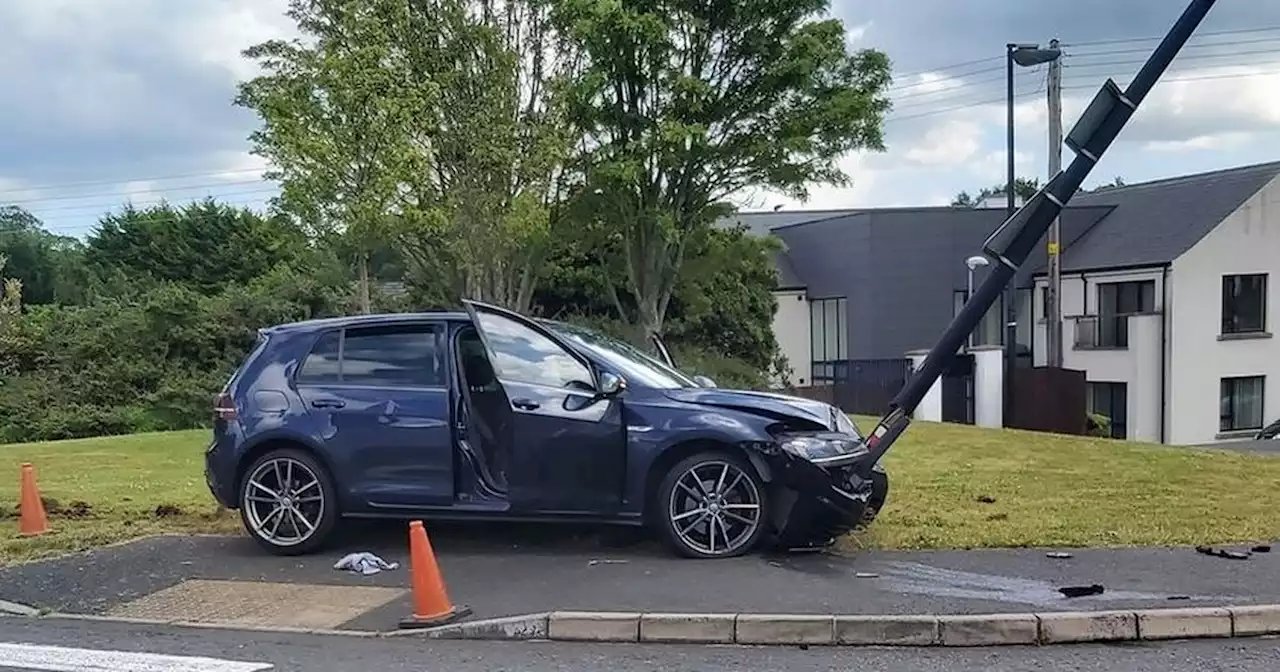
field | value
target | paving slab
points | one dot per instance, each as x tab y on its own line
501	571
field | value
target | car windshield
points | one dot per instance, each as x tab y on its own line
632	363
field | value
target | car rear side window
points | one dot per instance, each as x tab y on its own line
321	365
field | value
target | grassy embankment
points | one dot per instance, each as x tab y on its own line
953	487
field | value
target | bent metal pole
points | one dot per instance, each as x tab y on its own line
1010	245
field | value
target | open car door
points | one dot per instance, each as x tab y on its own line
661	350
568	450
664	354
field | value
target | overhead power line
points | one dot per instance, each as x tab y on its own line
118	196
90	183
1241	31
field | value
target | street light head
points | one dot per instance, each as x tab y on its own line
1029	55
976	261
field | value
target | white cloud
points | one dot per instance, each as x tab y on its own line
950	144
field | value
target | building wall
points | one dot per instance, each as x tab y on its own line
791	329
1138	365
1247	241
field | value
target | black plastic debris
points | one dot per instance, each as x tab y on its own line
1264	548
987	499
1179	597
1223	553
1082	591
1057	555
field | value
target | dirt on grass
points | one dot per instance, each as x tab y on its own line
952	486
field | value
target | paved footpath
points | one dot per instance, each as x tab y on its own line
45	646
507	570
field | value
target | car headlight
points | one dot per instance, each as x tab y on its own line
819	447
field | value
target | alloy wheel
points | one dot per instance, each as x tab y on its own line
715	508
284	503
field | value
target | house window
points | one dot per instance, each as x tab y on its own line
990	331
1116	302
1240	407
1110	400
1244	303
829	339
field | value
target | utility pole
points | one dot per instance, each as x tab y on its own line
1053	297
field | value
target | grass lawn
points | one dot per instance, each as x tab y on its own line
110	489
1047	490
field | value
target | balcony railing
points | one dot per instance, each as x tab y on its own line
1102	332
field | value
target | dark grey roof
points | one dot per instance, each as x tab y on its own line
1153	223
900	267
760	223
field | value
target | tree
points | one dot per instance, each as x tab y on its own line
684	104
205	245
336	120
1023	187
1113	184
10	295
49	266
496	139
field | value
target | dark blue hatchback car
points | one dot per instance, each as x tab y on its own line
489	414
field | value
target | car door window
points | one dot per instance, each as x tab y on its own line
522	355
392	356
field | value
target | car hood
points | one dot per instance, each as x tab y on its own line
763	403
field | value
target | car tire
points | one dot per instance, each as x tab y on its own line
309	478
737	537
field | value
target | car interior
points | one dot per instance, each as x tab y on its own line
485	412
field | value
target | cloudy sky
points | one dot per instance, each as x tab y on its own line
108	100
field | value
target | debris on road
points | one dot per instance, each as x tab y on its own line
1057	555
1223	553
1179	597
1082	591
1264	548
593	562
364	563
865	575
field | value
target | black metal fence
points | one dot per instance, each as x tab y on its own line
861	386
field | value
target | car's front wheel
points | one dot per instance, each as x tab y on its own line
287	502
711	505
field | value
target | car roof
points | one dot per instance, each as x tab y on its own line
366	320
376	319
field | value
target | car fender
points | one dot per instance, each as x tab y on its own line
729	428
284	435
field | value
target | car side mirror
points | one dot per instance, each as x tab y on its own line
611	384
704	381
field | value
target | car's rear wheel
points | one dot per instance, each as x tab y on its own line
287	502
711	505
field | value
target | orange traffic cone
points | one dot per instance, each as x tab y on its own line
32	520
431	605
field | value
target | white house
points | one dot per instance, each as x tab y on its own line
1167	307
1165	297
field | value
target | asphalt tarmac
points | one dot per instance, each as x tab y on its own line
69	645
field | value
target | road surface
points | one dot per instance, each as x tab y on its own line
72	646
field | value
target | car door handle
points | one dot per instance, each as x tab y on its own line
525	404
328	403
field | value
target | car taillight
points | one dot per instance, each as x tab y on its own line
224	408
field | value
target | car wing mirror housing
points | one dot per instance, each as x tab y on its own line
611	384
704	381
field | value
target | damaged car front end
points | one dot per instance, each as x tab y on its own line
817	494
810	456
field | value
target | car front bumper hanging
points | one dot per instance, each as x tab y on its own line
812	504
